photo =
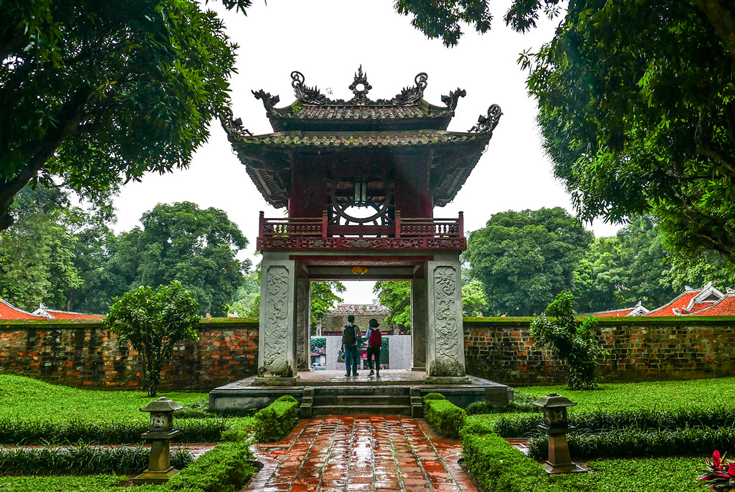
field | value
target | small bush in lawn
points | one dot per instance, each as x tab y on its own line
277	419
444	417
224	469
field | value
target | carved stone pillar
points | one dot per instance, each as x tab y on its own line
303	325
419	317
276	357
445	355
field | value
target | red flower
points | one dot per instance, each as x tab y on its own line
716	460
731	470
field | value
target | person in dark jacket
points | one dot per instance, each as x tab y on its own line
375	341
350	336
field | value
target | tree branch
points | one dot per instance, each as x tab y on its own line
721	21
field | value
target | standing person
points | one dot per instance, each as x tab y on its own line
350	335
375	341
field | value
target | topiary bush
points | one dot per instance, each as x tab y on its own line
434	396
481	407
227	468
444	417
277	419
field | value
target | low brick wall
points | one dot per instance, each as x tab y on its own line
640	349
84	353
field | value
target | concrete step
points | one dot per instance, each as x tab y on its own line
362	410
362	390
374	400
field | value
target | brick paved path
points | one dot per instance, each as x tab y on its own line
361	453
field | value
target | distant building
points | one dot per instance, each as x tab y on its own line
707	301
10	312
332	323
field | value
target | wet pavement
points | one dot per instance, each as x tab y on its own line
361	453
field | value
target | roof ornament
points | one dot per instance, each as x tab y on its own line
269	101
486	124
309	95
360	88
452	99
232	126
412	95
729	290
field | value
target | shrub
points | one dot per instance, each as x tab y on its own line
576	343
200	410
498	467
434	396
224	469
277	419
632	443
81	460
444	417
28	432
481	407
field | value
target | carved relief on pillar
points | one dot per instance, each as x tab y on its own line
302	324
448	324
275	361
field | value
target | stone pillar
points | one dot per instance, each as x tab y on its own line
276	357
303	324
445	334
419	317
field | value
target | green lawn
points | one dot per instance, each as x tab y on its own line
662	395
30	399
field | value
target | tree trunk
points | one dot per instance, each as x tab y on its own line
721	20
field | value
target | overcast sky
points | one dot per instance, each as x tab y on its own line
327	40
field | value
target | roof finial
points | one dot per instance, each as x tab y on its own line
360	88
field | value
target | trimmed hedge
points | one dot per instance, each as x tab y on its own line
444	417
81	460
498	467
29	432
277	419
227	468
636	443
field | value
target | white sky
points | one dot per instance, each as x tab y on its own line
327	40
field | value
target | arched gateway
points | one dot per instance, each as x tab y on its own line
360	180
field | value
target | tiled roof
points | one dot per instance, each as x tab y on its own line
70	315
359	112
680	302
619	312
358	139
343	309
8	311
723	307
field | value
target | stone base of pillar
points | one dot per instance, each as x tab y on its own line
155	477
422	369
570	468
447	380
275	381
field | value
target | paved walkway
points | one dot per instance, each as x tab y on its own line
361	453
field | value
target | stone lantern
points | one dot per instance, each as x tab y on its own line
159	433
556	425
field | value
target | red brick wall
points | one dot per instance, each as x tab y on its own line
639	349
84	353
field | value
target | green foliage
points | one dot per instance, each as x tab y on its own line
444	417
184	243
569	340
154	321
480	407
91	483
81	460
277	419
226	468
98	94
396	296
433	396
443	19
324	296
524	259
636	113
474	301
635	443
246	302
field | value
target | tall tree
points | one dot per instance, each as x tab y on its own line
324	295
524	259
396	296
100	92
637	110
185	243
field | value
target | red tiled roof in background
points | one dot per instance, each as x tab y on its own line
8	311
680	302
619	312
70	315
723	307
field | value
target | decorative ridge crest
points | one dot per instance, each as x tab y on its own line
486	124
234	126
360	88
304	93
269	101
412	95
452	99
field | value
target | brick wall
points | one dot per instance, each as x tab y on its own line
502	350
84	353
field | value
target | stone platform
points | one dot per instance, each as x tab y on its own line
396	392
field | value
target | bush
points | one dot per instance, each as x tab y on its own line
277	419
200	410
434	396
633	443
81	460
498	467
480	408
226	468
600	421
444	417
